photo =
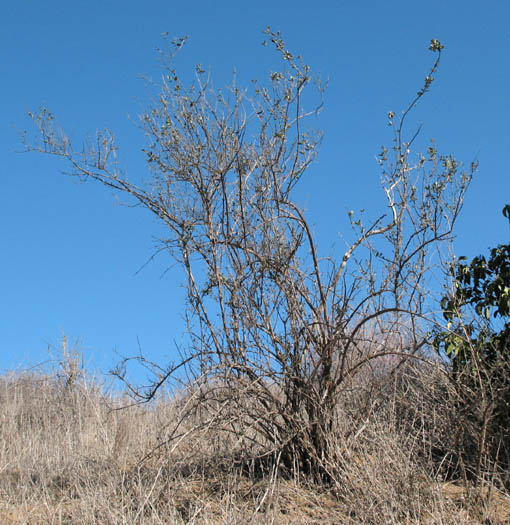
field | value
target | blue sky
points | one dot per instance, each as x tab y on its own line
70	254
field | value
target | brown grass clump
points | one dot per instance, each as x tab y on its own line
67	455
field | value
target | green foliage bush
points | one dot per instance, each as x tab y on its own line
476	341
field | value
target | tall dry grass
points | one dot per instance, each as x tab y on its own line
68	454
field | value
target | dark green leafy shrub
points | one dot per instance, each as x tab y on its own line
476	341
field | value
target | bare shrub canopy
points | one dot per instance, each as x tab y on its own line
276	331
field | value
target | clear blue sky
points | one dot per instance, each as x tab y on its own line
69	253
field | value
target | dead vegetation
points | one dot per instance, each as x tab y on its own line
68	456
277	332
305	391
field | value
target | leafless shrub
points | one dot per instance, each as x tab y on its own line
277	333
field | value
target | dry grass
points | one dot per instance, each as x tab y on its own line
67	457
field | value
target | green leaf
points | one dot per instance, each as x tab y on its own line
435	45
506	212
451	349
487	312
